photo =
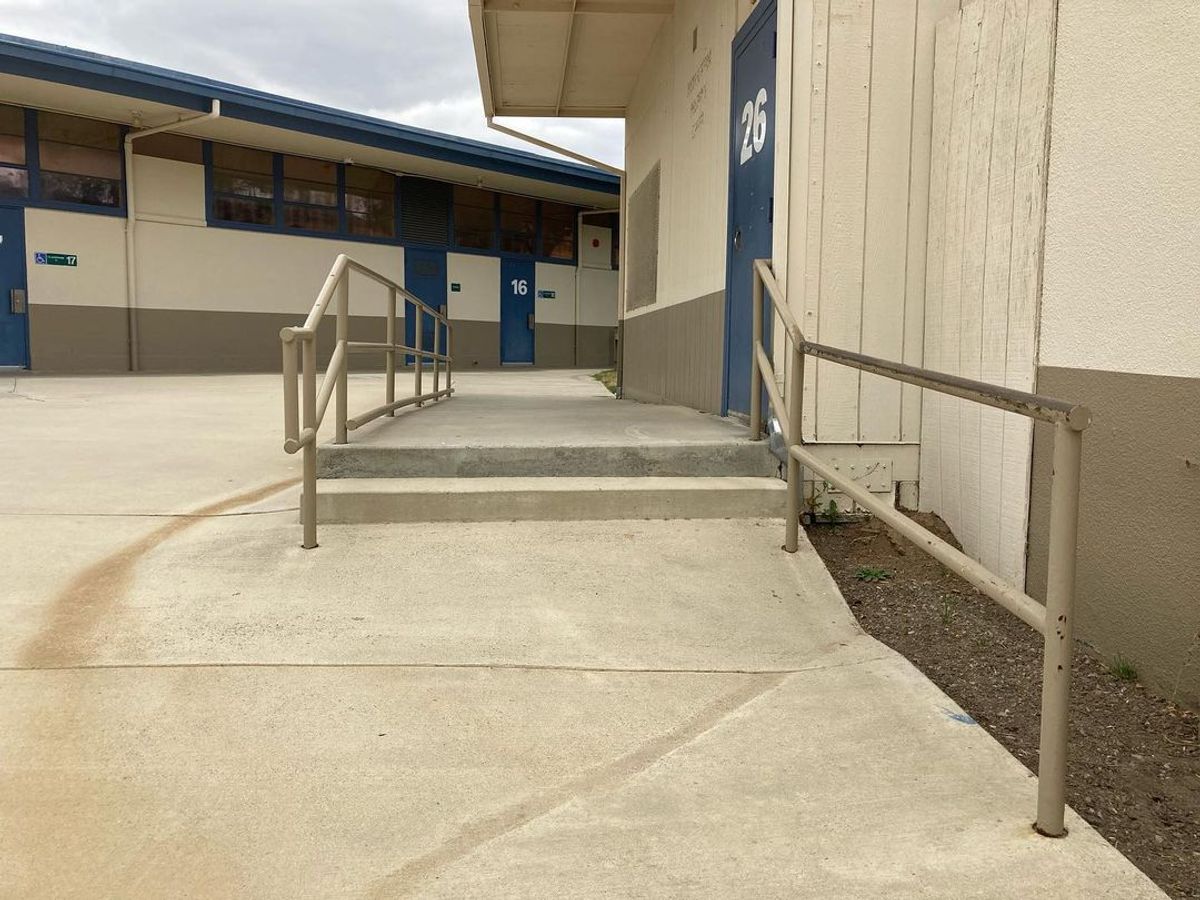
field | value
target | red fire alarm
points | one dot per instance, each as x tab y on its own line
595	242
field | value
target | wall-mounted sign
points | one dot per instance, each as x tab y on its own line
546	295
455	287
55	259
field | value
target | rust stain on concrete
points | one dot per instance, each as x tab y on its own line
91	595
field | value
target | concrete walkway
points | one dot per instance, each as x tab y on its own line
195	707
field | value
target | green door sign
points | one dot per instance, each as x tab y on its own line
55	259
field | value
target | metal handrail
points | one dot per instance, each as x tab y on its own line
1054	620
302	341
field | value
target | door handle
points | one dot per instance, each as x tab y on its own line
16	300
530	321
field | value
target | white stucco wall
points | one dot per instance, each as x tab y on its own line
1122	257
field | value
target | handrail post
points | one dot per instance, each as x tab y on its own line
449	356
417	329
1059	630
343	334
291	398
756	417
308	499
795	402
390	377
437	344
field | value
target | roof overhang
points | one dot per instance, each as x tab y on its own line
562	57
46	76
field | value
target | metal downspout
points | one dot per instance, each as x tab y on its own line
131	224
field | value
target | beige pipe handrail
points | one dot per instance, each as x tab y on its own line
306	405
1055	620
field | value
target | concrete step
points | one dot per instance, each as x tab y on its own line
727	458
362	500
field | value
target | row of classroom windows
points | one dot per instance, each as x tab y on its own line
55	159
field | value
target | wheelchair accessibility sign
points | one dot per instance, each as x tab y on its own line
55	259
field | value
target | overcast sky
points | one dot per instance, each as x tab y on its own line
409	61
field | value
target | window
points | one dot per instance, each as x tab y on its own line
243	183
518	224
474	218
80	160
558	231
14	177
310	194
370	202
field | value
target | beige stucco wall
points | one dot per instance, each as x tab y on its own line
678	117
479	280
1122	273
99	243
1120	326
201	289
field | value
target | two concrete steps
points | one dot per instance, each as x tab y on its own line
366	483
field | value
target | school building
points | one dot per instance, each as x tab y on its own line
158	222
1003	190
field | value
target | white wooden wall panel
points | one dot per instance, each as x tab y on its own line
983	267
885	251
945	67
847	129
869	112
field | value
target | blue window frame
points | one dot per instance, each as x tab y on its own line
61	162
265	191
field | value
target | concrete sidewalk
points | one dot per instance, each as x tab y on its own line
196	707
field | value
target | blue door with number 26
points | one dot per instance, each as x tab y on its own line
751	189
516	312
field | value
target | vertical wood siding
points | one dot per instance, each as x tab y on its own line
987	186
868	166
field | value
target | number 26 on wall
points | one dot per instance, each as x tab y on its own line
754	121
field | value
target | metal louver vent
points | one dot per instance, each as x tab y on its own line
425	211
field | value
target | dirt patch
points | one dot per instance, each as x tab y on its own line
1134	770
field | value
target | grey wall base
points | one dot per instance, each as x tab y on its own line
676	354
90	339
1139	523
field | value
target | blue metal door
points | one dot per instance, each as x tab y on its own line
751	189
14	326
425	276
516	312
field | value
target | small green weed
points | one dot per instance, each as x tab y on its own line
949	609
872	573
832	512
1122	669
608	378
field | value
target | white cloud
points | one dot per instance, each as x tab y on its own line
408	61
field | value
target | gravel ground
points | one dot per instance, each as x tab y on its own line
1134	770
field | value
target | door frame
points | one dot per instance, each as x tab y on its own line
764	12
24	276
511	261
441	302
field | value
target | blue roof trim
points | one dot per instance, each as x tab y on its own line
94	71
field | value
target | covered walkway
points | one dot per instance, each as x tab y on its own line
194	706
